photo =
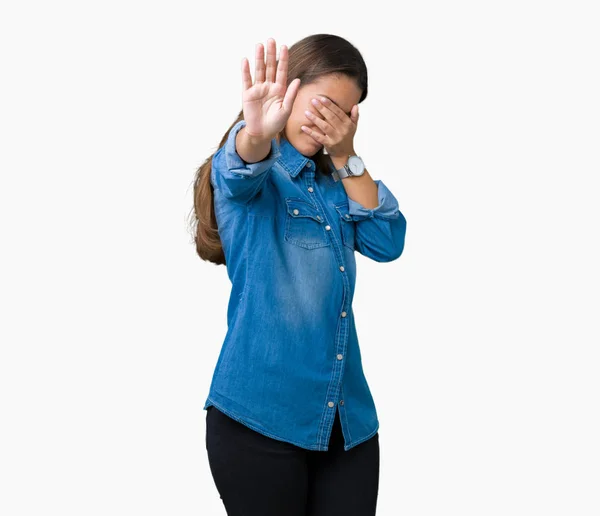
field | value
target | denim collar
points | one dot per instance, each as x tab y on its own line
291	159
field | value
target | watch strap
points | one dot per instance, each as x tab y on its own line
345	170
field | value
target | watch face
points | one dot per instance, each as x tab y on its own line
356	165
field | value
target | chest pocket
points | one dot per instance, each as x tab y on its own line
304	226
348	225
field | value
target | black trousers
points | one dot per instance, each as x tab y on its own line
260	476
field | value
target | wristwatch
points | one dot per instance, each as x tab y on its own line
353	167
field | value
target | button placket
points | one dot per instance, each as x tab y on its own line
341	340
310	176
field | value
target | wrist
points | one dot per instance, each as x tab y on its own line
340	161
250	150
255	139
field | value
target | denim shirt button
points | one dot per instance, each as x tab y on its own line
319	217
341	402
296	212
344	314
328	227
340	356
342	268
331	404
310	189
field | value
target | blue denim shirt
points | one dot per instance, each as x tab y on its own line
291	355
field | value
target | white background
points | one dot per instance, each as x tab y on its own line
480	343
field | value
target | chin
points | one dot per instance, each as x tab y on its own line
305	145
308	148
309	152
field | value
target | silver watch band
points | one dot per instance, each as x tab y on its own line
345	170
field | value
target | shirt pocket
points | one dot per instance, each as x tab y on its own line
348	225
304	225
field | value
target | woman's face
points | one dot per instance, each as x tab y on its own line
340	89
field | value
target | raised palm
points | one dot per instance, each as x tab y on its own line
267	104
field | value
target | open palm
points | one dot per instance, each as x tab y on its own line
267	104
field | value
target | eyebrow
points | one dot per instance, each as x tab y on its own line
322	95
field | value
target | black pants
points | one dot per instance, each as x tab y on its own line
260	476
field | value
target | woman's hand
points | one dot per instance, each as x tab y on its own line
267	104
337	129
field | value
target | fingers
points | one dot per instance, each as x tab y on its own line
316	135
354	114
274	71
290	95
259	67
271	60
282	66
328	110
319	122
246	78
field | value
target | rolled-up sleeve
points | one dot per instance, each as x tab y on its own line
380	231
236	179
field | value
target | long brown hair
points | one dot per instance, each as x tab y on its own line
309	59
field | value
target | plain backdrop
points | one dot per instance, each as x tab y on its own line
480	343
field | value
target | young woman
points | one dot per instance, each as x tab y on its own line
285	201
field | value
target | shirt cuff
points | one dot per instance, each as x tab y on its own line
237	165
386	209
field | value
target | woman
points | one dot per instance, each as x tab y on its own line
291	426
